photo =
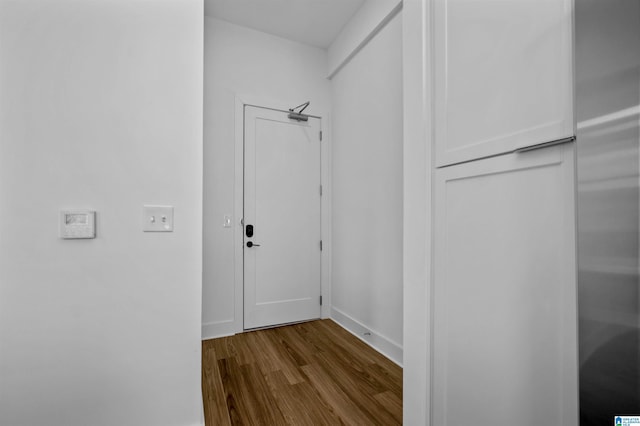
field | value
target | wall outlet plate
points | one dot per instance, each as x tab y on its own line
157	218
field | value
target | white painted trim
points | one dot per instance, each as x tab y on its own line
372	17
325	155
418	217
201	423
213	330
376	340
238	211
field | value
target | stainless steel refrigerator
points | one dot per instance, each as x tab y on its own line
607	58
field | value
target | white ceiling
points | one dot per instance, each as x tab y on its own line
313	22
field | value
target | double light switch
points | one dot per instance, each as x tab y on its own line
157	218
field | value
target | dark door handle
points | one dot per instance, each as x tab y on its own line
249	231
250	244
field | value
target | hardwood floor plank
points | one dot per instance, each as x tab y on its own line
244	352
300	403
343	343
265	407
270	359
222	347
215	410
289	363
333	394
236	403
295	346
391	371
353	376
391	403
316	335
249	399
357	388
309	337
350	343
390	379
357	363
313	373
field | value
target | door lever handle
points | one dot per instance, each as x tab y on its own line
250	244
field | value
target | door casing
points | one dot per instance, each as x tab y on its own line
282	273
238	238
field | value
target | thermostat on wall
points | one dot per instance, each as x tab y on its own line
77	224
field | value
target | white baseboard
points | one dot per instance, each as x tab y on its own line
377	341
213	330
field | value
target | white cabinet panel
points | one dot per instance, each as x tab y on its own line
504	292
503	76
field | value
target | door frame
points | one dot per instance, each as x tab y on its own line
238	206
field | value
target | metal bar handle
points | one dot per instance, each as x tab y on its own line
545	145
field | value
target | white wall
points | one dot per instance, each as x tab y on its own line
256	65
372	16
367	192
100	107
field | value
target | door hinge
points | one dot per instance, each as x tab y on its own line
321	190
320	135
320	245
320	300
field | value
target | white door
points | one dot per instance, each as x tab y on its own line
504	295
282	196
503	76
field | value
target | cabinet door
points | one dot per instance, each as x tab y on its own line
504	292
503	76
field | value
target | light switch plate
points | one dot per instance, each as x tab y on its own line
157	218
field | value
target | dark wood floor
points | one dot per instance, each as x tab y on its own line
314	373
